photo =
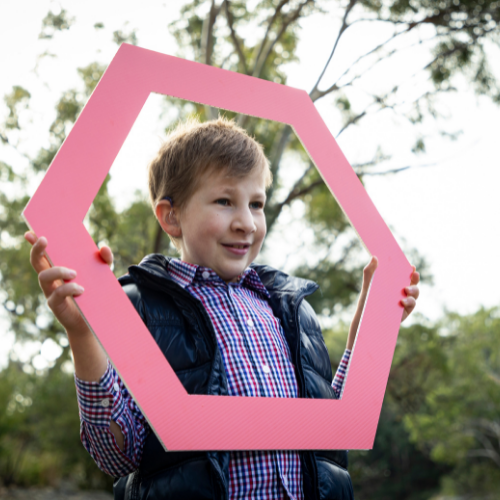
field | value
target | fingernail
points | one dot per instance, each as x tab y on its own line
80	289
71	274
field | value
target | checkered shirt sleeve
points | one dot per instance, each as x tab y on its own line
99	403
339	379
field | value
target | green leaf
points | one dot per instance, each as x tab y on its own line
52	23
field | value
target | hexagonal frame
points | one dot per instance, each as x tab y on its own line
197	422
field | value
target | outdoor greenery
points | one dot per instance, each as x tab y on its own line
439	431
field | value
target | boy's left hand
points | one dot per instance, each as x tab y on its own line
409	302
412	293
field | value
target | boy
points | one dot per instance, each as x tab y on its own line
226	326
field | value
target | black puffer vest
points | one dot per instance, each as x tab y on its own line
182	329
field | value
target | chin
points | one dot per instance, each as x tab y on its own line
232	275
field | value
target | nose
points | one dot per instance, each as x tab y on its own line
244	221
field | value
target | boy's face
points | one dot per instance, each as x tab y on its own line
223	225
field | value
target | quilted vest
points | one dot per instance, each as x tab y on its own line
182	329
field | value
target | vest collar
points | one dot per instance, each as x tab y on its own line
275	281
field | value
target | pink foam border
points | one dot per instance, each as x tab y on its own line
193	422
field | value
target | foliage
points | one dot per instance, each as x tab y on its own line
52	23
396	467
120	37
35	450
439	428
401	464
458	421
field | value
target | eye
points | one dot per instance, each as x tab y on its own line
222	201
257	205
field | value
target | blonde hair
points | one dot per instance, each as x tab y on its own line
194	149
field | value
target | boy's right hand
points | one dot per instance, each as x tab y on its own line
90	359
54	283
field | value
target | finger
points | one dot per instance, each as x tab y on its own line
52	278
369	271
409	304
106	254
37	255
371	266
415	278
412	291
30	237
408	308
59	295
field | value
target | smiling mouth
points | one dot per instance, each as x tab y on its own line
241	247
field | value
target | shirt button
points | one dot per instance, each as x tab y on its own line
266	369
249	322
205	275
105	403
116	387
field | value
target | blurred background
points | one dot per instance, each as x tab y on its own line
410	90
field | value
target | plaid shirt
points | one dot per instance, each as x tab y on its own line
258	363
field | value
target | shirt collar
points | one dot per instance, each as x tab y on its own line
186	274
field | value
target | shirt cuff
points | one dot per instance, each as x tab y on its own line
346	357
102	401
339	379
344	363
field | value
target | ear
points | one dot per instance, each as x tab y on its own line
167	217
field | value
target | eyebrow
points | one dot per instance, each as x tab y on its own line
229	189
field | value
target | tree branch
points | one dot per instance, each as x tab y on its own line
261	61
360	58
343	27
277	12
298	192
276	209
317	94
279	148
234	38
353	120
158	239
394	170
275	159
5	140
207	43
207	39
486	454
381	99
489	428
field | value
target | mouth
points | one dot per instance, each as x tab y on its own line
238	249
242	246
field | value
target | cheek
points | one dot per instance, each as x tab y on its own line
211	227
262	228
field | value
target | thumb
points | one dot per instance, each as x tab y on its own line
106	254
369	271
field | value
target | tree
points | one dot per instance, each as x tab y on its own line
397	467
39	430
455	33
458	420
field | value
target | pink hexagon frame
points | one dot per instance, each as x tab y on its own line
194	422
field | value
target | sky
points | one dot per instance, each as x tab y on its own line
446	206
